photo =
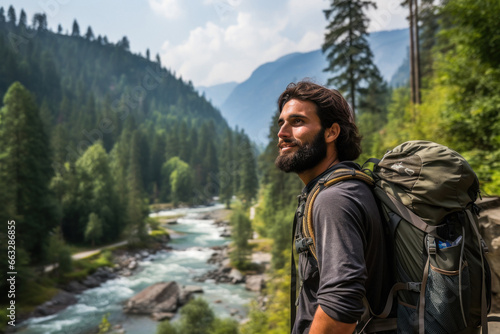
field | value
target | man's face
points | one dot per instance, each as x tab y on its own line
301	137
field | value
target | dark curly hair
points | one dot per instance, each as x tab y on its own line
331	107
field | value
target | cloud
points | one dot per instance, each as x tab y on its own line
169	8
219	52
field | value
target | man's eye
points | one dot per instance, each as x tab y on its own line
298	121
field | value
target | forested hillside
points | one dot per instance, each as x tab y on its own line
91	134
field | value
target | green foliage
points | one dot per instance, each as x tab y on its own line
198	318
104	326
178	181
224	326
347	50
59	253
241	231
93	231
166	327
25	171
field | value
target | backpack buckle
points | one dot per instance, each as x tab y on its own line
431	244
302	245
413	286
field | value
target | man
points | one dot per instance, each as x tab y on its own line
318	135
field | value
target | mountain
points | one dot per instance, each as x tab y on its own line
251	103
218	93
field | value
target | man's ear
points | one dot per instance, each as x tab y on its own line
332	133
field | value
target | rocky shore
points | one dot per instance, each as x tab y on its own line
125	263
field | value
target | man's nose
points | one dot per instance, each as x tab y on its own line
284	131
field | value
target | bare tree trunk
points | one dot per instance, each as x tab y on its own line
417	56
412	55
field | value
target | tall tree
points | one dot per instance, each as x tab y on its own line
23	19
40	21
349	56
76	29
25	169
89	34
11	15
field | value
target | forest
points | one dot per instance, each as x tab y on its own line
92	136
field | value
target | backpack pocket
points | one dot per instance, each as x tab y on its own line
447	292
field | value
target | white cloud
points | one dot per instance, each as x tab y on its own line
244	35
214	53
168	8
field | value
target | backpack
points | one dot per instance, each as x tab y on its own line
426	194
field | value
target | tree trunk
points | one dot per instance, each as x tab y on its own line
417	56
412	53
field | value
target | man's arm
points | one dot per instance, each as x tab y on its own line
322	323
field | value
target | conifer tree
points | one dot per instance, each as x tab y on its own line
89	34
2	15
76	29
226	170
136	208
350	59
59	29
25	169
40	21
11	15
23	19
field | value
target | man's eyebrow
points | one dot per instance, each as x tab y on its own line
292	116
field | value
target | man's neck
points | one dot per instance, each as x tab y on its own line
310	174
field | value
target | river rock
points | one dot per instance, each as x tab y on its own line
62	300
132	265
75	287
236	276
255	282
160	316
91	282
158	298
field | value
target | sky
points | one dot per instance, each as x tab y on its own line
206	41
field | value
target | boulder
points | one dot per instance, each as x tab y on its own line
132	265
60	301
158	298
255	282
236	276
160	316
75	287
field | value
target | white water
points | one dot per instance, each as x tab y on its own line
187	260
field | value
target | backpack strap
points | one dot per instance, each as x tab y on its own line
482	249
338	175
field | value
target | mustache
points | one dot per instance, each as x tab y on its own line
288	141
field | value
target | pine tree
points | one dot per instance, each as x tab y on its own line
25	169
248	173
349	56
40	21
76	29
2	15
59	29
226	170
136	209
89	34
23	19
11	15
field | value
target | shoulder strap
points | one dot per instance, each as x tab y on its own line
329	180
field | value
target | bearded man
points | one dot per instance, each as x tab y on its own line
317	136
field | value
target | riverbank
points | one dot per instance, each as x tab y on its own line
183	258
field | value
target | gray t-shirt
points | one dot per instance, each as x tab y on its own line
351	251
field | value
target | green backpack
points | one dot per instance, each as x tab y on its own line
426	193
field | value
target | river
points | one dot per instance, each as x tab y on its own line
191	244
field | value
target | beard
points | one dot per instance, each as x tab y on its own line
307	156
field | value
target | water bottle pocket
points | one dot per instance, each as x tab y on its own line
447	292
